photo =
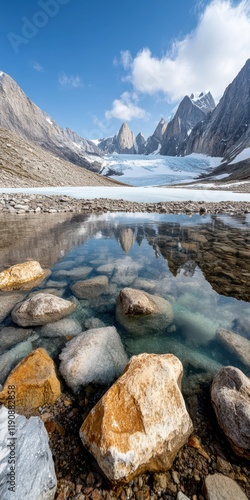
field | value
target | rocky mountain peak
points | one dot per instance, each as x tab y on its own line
227	131
125	140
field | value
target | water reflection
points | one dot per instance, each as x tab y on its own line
200	265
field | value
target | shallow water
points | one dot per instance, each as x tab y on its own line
201	265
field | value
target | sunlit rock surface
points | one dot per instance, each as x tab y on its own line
41	309
35	477
21	275
230	397
95	356
141	422
35	381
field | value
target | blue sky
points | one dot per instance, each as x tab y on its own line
94	64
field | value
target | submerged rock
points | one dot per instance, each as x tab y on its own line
141	422
237	345
61	328
41	309
95	356
76	273
10	358
10	336
34	474
220	487
230	397
35	381
15	277
91	288
141	313
7	302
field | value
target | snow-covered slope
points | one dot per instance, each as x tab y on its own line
142	170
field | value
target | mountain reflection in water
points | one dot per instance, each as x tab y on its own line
201	265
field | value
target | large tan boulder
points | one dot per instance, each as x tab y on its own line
40	309
22	276
35	383
141	313
141	422
230	397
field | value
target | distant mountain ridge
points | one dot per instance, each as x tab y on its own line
22	116
167	137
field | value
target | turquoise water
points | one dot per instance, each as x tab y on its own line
199	265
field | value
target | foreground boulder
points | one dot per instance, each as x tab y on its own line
22	276
34	475
237	345
220	487
141	313
230	396
41	309
95	356
91	288
35	381
141	422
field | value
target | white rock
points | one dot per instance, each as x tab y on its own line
35	477
96	356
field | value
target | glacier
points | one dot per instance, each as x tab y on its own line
157	170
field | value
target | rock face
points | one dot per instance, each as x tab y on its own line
227	131
35	381
34	477
16	277
89	289
154	142
141	313
95	356
220	487
22	116
123	143
41	309
237	345
140	143
230	397
190	111
141	422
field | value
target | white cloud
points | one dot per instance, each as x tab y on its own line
70	81
126	108
208	58
126	59
37	66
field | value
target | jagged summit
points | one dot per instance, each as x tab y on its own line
227	131
21	115
190	111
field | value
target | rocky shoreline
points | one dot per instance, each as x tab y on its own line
35	204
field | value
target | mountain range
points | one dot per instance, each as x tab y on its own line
197	126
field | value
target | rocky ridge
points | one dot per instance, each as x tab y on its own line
20	115
23	164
